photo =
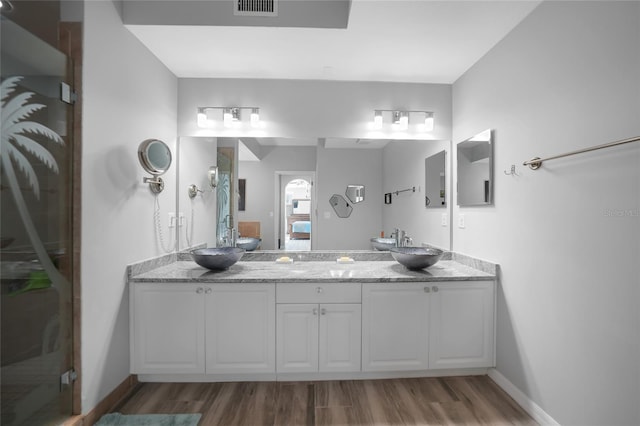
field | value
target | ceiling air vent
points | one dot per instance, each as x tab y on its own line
255	7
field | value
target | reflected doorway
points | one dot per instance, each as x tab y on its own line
295	215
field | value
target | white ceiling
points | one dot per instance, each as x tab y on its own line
420	41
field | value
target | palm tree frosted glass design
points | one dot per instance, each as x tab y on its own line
17	132
223	206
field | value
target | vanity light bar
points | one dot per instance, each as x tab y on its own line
400	119
230	116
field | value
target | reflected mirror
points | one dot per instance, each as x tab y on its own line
475	170
340	205
355	193
435	178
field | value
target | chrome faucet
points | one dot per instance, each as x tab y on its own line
230	238
399	236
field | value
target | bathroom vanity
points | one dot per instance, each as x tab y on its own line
311	319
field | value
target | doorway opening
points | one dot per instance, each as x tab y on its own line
295	209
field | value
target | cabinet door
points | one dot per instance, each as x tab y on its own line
395	319
297	337
340	337
167	328
240	328
462	325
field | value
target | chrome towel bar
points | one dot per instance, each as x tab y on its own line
536	163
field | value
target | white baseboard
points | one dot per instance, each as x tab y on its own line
288	377
533	409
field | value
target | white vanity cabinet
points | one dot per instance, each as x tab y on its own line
318	327
395	327
181	328
420	326
240	328
462	324
167	328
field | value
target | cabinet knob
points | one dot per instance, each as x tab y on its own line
315	311
199	290
208	291
435	288
323	311
319	290
427	290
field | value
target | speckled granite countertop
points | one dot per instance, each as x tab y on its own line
261	268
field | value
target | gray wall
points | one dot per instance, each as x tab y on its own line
566	236
313	108
128	96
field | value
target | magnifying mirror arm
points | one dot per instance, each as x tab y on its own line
193	190
156	184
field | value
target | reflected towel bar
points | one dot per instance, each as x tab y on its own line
536	163
412	189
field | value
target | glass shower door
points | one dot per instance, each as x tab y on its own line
35	230
226	195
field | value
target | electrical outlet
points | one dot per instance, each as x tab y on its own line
461	221
443	219
172	220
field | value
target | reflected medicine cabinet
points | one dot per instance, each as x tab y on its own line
435	178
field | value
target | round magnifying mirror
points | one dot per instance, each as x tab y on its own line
154	156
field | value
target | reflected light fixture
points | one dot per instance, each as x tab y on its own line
255	117
428	122
404	120
377	119
231	116
400	119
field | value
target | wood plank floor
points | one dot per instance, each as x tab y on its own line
469	400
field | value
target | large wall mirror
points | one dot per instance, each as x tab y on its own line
435	168
329	170
475	170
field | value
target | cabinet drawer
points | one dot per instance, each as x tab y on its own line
318	293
